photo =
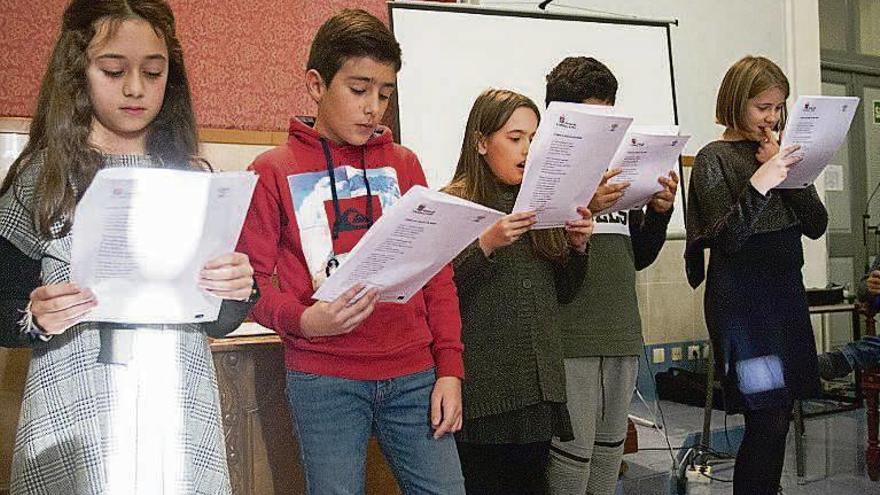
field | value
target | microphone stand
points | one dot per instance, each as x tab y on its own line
866	217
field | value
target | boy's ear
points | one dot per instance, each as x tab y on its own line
481	144
315	85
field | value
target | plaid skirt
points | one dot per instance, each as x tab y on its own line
151	426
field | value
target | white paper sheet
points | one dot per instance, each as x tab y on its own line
570	152
819	124
409	244
249	329
142	236
643	158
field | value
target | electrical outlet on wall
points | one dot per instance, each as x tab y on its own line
676	353
659	355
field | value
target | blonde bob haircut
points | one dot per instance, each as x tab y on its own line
746	79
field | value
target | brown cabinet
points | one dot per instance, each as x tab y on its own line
262	454
13	370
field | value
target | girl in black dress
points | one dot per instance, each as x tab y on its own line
755	303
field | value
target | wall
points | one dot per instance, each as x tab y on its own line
245	60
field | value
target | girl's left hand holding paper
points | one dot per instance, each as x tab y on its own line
579	231
229	276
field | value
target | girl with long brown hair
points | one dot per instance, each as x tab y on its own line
511	282
108	408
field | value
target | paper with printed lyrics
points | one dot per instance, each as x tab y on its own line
570	152
412	241
819	124
644	157
142	236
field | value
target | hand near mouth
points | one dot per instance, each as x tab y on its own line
769	146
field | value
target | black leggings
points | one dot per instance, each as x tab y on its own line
504	469
762	452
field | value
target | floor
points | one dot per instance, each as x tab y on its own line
834	446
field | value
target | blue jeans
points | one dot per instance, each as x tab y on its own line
863	354
333	419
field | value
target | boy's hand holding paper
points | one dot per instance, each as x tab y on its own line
641	161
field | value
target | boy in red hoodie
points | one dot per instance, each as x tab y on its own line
355	368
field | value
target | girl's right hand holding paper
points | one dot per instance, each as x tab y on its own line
507	230
775	170
57	307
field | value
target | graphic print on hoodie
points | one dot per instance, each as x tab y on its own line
612	223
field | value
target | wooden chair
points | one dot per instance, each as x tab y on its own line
870	385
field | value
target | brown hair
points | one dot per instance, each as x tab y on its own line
747	78
474	180
348	34
63	118
576	79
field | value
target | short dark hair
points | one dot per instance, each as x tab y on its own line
576	79
349	34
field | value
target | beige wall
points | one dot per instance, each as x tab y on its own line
671	311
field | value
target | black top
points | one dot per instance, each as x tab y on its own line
19	275
724	209
755	302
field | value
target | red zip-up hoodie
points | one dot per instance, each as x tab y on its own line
295	228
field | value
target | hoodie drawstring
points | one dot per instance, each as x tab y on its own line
328	158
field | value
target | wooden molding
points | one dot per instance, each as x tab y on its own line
236	136
236	343
16	125
687	161
21	125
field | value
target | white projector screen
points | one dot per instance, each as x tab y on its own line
451	53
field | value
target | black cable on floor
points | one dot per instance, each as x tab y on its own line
659	408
